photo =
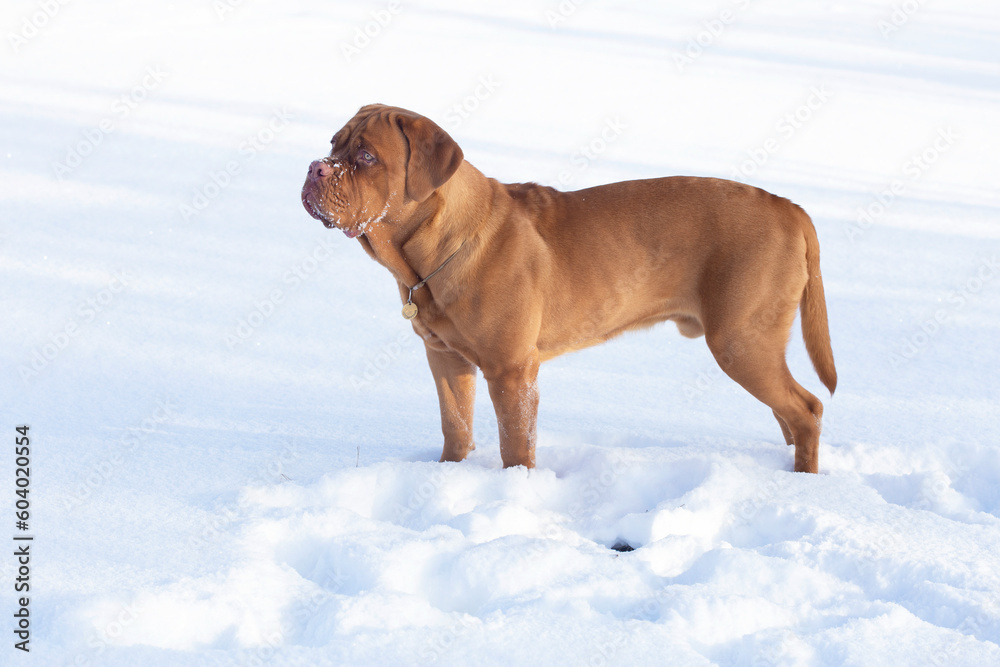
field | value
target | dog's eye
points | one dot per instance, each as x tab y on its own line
366	157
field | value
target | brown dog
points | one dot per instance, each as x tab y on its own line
518	274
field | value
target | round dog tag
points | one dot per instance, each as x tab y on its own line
409	311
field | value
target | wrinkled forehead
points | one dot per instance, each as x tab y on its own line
372	125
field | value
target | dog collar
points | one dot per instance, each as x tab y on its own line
410	308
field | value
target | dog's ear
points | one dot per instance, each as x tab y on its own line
433	156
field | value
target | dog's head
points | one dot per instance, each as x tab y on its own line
383	162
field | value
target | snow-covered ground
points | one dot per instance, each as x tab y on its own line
235	435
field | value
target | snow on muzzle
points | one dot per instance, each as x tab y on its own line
318	178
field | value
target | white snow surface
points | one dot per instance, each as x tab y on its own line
235	435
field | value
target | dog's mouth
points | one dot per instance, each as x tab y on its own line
317	213
312	210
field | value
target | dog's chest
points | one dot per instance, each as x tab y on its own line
439	333
428	328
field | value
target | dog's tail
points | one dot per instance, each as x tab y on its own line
815	328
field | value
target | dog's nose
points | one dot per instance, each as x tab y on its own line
319	169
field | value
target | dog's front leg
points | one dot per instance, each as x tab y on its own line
514	390
455	379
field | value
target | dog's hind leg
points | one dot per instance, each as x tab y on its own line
784	429
757	363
